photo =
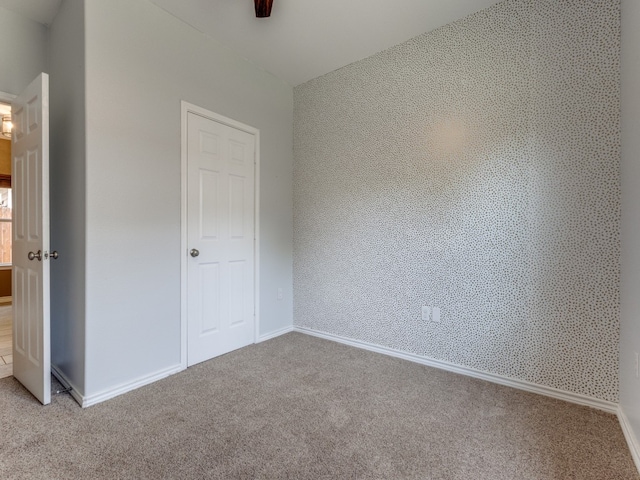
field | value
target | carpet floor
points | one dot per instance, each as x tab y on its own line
298	407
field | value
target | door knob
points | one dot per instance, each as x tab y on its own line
54	255
194	252
33	256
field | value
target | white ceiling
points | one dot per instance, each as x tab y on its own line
302	39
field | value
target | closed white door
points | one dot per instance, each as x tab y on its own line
30	182
220	238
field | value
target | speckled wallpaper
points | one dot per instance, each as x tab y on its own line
474	168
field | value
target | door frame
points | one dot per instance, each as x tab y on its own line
185	109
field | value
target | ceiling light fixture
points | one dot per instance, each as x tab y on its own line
263	8
7	126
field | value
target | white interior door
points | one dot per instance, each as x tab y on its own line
30	183
220	238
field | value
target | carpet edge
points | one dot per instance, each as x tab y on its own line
579	399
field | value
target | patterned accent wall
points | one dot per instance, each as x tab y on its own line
474	168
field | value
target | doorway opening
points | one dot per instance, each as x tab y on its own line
6	341
6	207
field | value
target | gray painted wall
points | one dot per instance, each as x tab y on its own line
141	62
67	192
474	168
23	51
630	169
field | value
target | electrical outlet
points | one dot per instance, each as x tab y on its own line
435	315
426	313
636	366
280	294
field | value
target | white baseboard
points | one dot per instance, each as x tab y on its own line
90	400
632	440
66	383
87	401
277	333
451	367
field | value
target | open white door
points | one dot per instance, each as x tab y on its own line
30	182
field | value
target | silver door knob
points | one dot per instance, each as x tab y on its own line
33	256
54	255
194	252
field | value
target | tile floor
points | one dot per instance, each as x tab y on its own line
6	357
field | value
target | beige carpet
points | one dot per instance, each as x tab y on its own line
298	407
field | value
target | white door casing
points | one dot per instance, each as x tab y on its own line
30	183
220	236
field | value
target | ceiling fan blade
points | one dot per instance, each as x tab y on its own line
263	8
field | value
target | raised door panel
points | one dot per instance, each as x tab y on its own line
209	292
237	208
209	204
